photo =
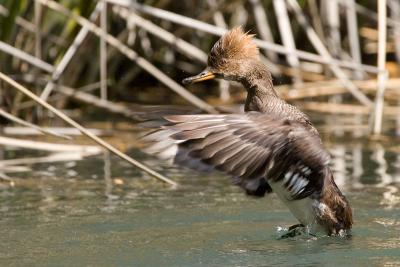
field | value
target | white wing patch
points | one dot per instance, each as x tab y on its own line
299	186
295	181
287	177
306	170
163	145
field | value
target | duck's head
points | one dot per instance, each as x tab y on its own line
231	58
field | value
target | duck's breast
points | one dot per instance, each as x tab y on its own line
303	209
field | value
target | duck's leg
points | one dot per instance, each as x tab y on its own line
293	231
293	227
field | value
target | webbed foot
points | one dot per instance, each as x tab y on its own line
295	230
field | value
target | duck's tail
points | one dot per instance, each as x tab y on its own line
334	211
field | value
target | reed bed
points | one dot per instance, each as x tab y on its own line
335	56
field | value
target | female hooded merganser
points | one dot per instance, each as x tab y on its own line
273	147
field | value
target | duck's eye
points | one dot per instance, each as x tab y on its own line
221	63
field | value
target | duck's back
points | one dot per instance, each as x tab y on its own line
279	108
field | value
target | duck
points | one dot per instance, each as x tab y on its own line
270	148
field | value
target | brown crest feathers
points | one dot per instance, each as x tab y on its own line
235	44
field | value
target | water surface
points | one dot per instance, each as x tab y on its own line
102	212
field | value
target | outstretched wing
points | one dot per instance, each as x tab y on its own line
255	148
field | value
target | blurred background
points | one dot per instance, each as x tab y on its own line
322	54
111	64
65	201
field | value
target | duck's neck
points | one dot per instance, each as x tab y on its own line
260	90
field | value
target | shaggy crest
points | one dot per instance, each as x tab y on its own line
235	44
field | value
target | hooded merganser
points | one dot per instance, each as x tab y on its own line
273	147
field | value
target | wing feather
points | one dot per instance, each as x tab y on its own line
255	148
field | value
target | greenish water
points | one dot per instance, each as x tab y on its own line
72	214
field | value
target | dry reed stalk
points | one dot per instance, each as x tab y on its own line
394	6
15	52
51	147
306	75
307	92
12	169
103	53
263	26
373	47
205	27
95	101
354	42
372	14
371	34
43	82
54	157
286	34
107	174
146	45
98	140
132	55
382	75
332	87
316	19
337	108
319	46
331	14
327	88
60	68
38	36
15	130
180	45
217	15
219	20
30	125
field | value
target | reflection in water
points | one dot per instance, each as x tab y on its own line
338	164
387	181
397	131
102	212
396	164
110	202
390	197
378	155
357	165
